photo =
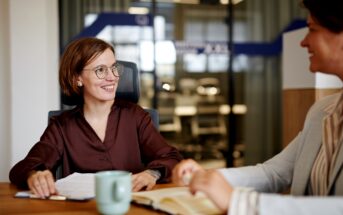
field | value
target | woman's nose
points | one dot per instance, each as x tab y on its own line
303	42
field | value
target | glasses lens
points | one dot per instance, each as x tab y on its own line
101	72
117	69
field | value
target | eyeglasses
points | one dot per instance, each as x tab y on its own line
102	71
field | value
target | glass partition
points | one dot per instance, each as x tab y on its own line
189	56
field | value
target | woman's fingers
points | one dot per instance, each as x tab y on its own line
41	183
50	182
36	189
182	172
143	180
214	185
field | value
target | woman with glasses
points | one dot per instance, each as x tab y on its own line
101	133
311	166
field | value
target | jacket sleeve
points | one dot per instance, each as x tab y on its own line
156	152
43	155
274	175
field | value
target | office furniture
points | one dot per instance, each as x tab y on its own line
169	121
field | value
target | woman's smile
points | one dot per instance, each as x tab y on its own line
108	88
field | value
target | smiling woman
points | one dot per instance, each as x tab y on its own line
99	84
102	133
324	45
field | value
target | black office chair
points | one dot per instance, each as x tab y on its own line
128	89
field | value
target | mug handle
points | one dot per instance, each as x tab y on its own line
118	191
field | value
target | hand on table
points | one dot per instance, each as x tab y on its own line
143	180
210	182
214	185
183	171
41	183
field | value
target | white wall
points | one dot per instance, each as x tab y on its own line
4	91
32	75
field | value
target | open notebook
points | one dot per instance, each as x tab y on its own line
176	200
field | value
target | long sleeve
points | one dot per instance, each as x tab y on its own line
43	155
131	143
274	175
291	167
156	152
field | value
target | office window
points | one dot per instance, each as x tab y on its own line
212	30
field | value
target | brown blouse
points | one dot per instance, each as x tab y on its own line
131	143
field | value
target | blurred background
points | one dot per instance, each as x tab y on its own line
219	107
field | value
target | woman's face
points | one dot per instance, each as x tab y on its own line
97	90
325	49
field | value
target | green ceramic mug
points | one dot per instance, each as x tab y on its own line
113	191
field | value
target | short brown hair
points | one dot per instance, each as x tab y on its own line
76	56
329	14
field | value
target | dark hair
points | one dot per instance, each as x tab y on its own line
76	56
328	13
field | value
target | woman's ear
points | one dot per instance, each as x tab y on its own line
79	81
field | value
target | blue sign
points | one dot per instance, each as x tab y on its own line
182	47
115	19
246	48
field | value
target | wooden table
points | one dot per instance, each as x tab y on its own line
11	205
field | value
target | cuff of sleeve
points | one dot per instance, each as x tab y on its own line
244	201
154	173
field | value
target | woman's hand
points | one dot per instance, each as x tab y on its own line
210	182
42	183
183	171
214	185
143	180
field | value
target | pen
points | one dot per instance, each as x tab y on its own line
28	194
52	197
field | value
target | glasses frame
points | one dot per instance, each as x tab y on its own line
119	70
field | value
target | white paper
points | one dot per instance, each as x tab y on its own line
77	186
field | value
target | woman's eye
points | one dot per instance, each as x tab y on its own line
100	70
